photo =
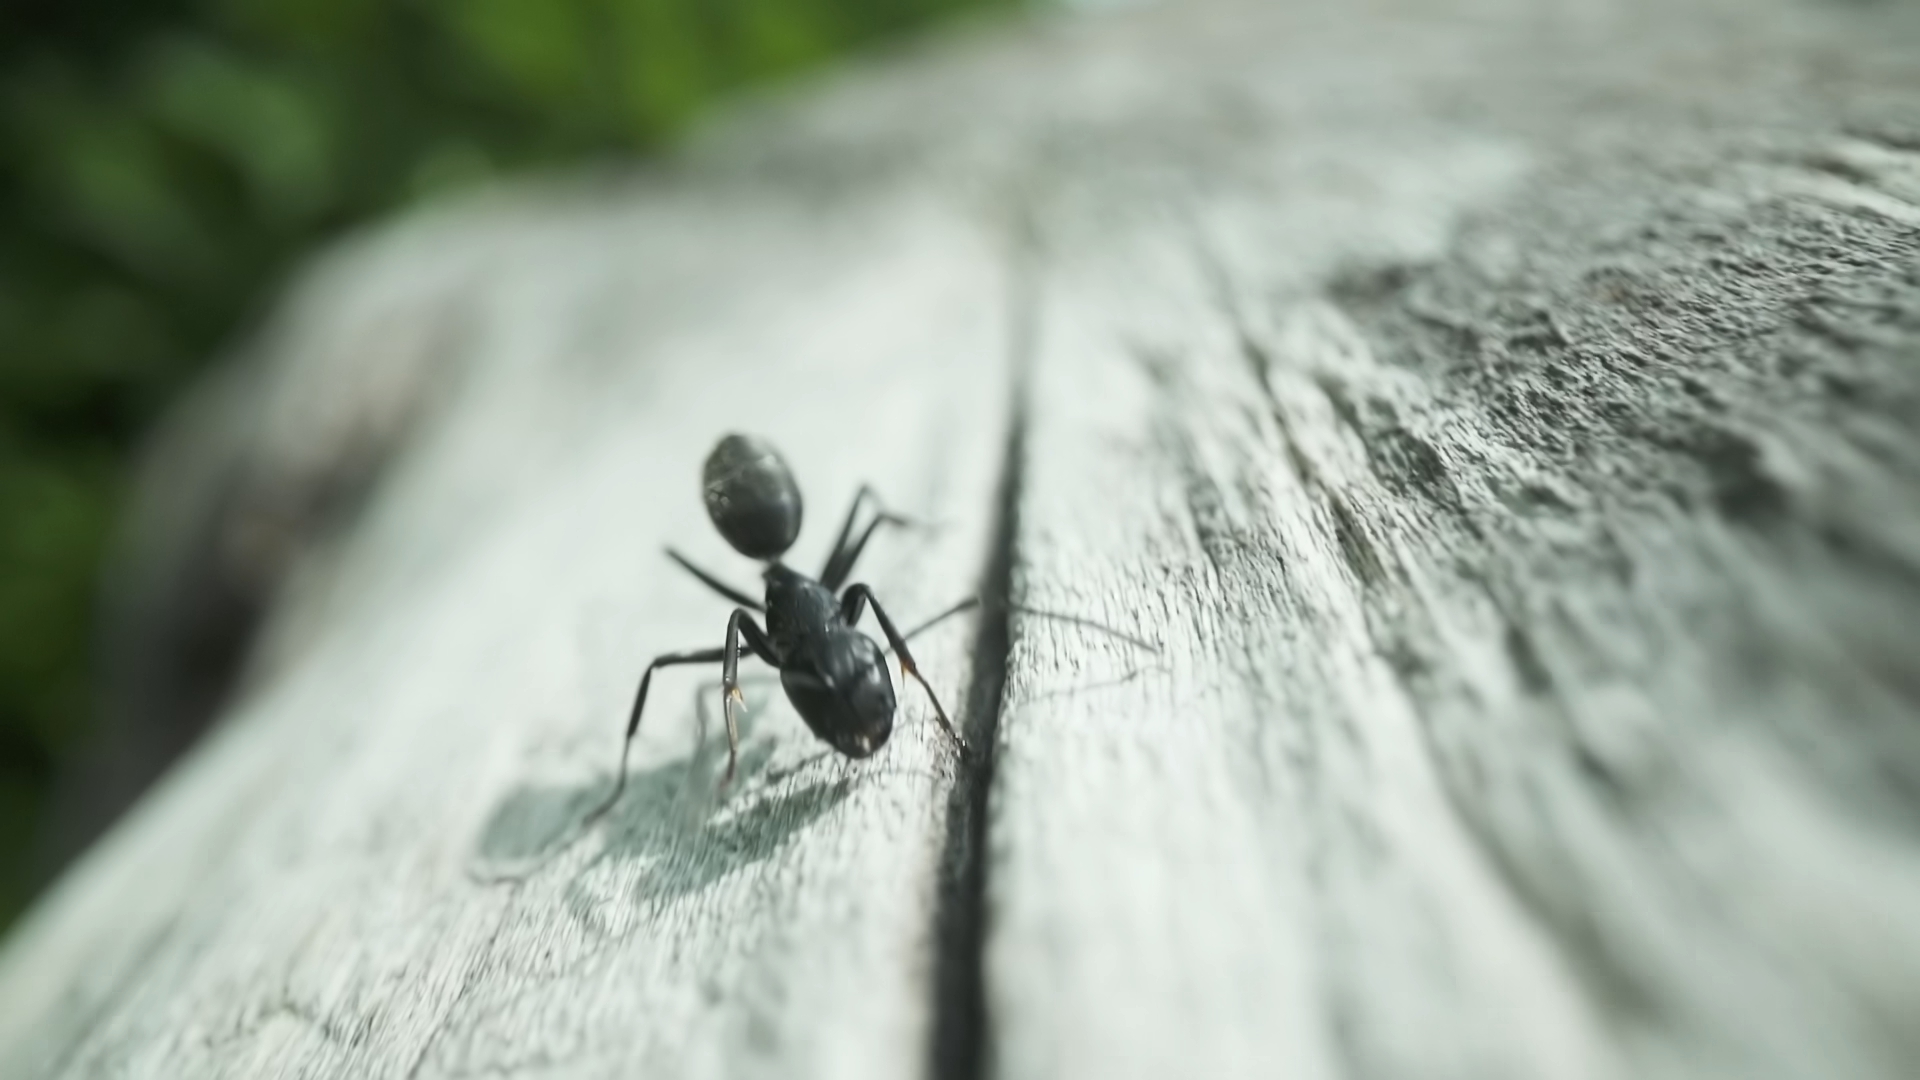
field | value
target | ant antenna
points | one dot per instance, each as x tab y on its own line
972	602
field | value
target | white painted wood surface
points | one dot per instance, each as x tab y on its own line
1503	414
365	874
1539	698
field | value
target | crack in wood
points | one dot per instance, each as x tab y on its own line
958	1048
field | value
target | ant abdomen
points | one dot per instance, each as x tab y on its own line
751	497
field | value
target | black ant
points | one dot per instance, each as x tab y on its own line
835	676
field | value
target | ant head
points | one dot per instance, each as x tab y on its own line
844	693
751	496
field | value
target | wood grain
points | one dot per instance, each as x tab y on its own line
1535	554
375	869
1503	416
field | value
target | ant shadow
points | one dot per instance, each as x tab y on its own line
672	818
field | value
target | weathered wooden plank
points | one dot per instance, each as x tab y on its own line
1503	416
372	869
1526	493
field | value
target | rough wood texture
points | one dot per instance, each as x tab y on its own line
1506	417
373	869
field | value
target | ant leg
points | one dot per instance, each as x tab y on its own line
835	575
715	583
846	527
691	656
739	625
855	600
846	553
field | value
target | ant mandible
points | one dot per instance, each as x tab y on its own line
835	676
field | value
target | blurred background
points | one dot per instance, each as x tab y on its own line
164	164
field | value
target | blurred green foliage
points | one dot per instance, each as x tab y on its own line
163	161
